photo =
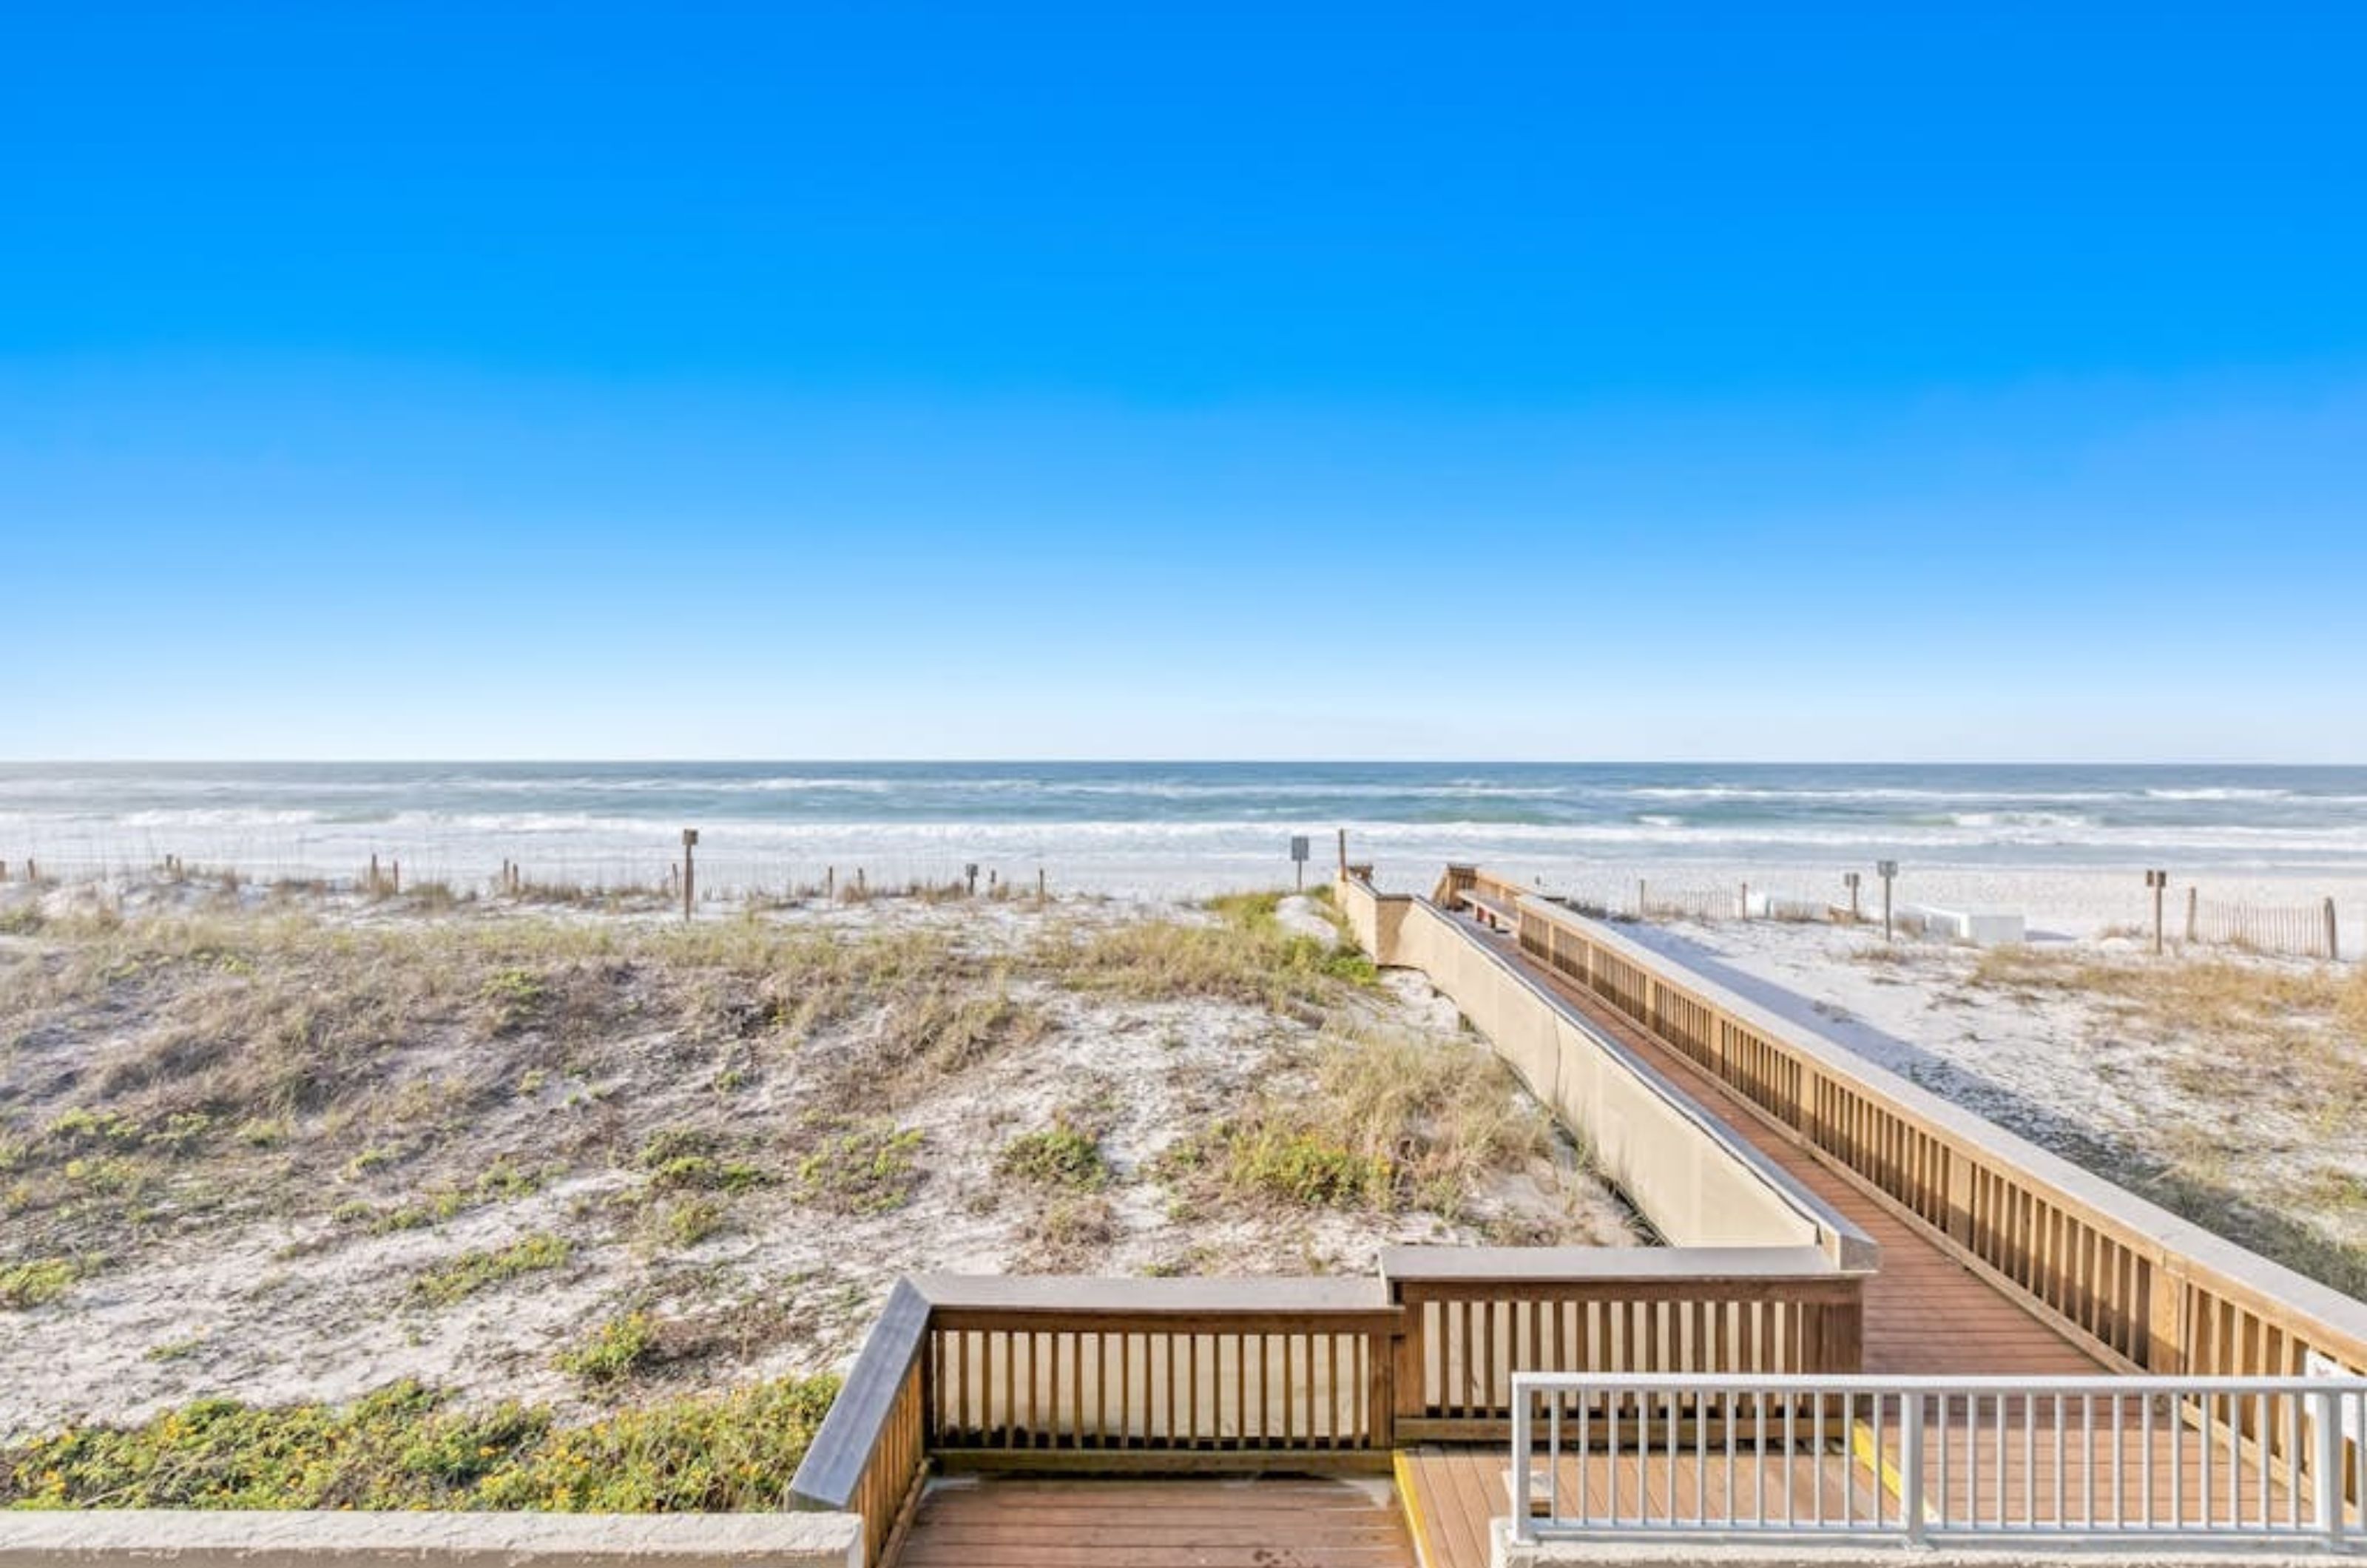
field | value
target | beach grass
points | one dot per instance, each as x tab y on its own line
408	1446
2248	1044
1244	956
1384	1121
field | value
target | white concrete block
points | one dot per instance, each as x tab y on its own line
1996	928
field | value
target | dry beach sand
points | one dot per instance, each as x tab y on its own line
289	1147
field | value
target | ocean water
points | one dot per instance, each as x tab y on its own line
1172	826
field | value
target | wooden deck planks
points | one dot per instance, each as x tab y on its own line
1023	1522
1926	1314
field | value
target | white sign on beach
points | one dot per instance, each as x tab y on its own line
2317	1364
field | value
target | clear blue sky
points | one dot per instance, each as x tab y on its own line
1798	381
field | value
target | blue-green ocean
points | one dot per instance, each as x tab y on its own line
1122	826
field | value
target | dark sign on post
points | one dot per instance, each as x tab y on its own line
1298	856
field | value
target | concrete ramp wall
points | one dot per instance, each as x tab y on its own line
1695	1181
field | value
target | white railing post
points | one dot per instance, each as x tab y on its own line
1910	1464
1523	1531
2321	1461
2328	1482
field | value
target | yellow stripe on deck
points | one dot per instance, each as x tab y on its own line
1869	1454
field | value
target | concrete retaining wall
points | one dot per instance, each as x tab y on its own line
118	1538
1697	1183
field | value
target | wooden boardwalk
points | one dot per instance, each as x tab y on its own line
1452	1497
1926	1312
1025	1522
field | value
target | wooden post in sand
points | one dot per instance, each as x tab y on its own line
689	842
396	884
2193	913
373	882
1344	852
1743	910
2159	882
2333	938
1852	879
1041	893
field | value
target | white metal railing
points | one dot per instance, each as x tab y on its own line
1955	1459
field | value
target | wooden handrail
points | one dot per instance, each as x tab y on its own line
870	1451
1181	1375
1162	1374
2156	1292
1476	1315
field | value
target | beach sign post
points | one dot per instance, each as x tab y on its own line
1298	858
2159	882
1850	880
689	842
1887	869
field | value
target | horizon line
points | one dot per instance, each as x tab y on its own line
978	761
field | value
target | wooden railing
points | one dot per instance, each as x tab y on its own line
870	1451
2153	1292
1160	1374
1476	1315
1310	1375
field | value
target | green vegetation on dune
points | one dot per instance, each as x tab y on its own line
860	1167
36	1281
466	1274
406	1447
611	1351
1391	1120
1246	956
1062	1154
240	1059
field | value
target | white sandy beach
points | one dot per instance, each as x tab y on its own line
2057	903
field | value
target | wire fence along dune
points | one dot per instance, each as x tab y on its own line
558	879
2303	930
1668	901
1665	901
2308	931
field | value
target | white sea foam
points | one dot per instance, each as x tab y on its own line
1151	827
